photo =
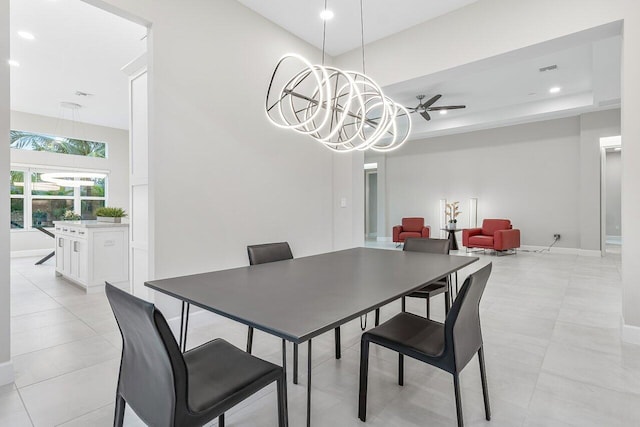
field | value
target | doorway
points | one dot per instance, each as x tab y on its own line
371	204
610	199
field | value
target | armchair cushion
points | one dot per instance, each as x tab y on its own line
490	226
411	227
413	224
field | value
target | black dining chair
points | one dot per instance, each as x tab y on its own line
448	346
262	254
432	246
165	387
271	252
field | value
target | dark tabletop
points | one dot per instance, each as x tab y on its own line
301	298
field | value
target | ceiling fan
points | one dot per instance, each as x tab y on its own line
424	107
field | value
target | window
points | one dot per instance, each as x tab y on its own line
37	202
22	140
17	199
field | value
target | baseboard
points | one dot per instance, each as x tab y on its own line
589	252
561	251
6	373
631	334
31	253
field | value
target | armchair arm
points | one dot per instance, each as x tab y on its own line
396	233
426	231
468	232
506	239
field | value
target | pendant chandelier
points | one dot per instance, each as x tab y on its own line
344	110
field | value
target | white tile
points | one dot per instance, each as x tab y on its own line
49	336
69	396
44	364
12	411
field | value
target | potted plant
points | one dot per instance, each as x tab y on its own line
451	212
106	214
39	216
70	215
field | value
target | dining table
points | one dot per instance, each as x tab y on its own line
299	299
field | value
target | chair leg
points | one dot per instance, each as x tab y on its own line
283	418
428	308
364	372
485	389
118	418
456	388
221	421
249	340
404	304
400	369
377	316
447	302
338	353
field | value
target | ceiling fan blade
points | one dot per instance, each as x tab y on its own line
425	115
431	101
446	107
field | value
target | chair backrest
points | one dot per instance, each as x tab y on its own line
490	226
432	246
269	252
412	224
462	326
152	371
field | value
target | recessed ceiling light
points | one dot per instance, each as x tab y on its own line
443	112
26	35
326	14
13	63
554	89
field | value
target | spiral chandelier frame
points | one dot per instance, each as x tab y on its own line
343	110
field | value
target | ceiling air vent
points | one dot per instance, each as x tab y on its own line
548	68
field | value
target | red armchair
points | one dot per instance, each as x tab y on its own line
497	234
411	227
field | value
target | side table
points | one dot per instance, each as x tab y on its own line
453	242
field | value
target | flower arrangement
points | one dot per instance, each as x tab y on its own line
70	215
452	211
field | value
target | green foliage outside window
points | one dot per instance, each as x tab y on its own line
54	144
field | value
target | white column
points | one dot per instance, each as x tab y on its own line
6	366
631	176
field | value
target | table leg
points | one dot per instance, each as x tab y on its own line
45	259
454	241
309	387
295	363
184	325
284	374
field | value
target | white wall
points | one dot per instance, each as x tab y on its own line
526	173
116	163
613	176
6	367
221	175
492	27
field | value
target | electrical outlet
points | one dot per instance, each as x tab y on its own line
556	236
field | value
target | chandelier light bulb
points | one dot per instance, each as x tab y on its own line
326	15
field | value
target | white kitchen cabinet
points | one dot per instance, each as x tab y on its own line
89	253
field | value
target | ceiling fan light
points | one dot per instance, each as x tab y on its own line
443	112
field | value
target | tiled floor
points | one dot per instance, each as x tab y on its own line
552	344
